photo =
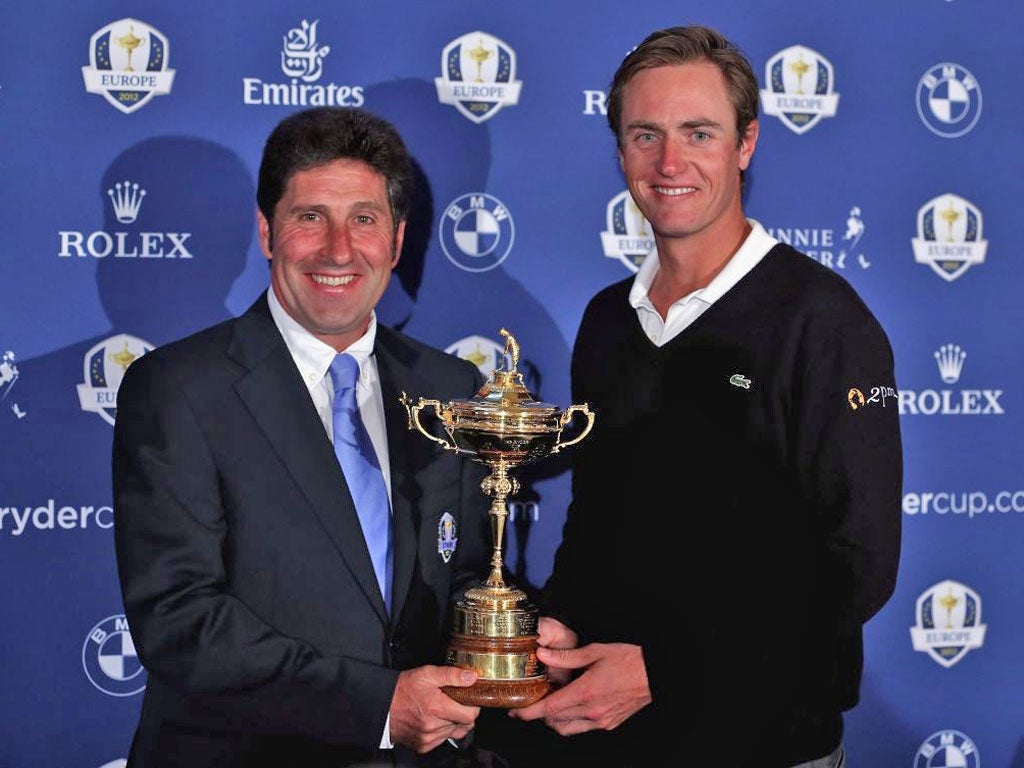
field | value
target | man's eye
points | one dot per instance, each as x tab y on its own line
364	219
309	216
701	135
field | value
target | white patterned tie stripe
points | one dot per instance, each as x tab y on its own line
362	470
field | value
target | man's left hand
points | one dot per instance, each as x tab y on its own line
612	688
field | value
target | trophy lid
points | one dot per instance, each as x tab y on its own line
505	396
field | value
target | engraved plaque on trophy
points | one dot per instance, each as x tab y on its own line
495	625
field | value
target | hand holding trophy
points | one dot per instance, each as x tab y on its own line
495	627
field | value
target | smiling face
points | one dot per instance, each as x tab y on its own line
332	248
681	154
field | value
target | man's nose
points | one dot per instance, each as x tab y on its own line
672	158
339	242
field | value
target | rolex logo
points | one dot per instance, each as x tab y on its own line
950	359
127	200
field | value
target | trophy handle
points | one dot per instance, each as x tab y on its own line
413	412
567	416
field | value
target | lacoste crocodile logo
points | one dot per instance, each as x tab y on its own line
739	380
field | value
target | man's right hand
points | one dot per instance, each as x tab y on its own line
551	633
422	715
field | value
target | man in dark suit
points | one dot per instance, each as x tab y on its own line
247	578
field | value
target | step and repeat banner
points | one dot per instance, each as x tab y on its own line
130	137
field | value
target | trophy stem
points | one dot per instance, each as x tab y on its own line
498	485
495	626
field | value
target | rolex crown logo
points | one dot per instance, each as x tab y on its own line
950	359
126	198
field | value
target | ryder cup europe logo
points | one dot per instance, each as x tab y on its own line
799	88
948	622
103	368
949	236
476	232
948	100
947	749
478	76
128	64
628	237
109	658
488	355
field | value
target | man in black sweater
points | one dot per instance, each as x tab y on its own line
746	444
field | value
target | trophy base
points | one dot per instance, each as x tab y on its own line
496	636
502	694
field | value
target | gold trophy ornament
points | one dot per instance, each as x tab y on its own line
129	42
495	625
479	55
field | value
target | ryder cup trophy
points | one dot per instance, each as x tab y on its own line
495	628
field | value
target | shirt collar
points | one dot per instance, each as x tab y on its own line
756	245
313	357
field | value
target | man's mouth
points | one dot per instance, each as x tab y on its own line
331	280
674	191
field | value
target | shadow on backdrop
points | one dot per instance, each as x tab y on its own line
1018	757
202	194
183	222
432	297
194	222
200	201
873	726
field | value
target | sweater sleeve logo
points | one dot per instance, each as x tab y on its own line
876	396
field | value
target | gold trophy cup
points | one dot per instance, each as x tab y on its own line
495	626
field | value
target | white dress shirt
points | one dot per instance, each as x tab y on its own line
313	359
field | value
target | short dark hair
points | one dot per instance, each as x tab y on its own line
679	45
318	136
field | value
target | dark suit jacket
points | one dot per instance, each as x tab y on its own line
246	580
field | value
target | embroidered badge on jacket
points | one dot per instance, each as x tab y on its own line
447	537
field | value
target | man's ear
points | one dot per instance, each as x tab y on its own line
396	253
265	237
747	144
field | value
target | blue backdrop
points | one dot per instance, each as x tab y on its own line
130	135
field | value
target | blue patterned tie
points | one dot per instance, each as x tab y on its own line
359	462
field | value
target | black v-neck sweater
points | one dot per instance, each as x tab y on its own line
736	509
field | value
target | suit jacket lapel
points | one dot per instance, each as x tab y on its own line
277	398
395	363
